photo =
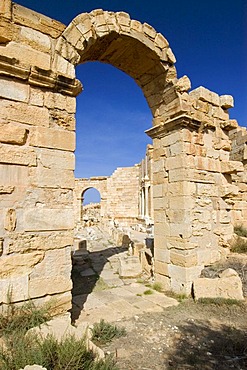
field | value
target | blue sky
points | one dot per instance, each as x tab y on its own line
209	40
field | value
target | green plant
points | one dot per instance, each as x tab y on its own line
148	292
239	246
104	332
70	354
240	230
157	286
18	319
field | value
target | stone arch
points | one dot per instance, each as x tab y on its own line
81	186
135	48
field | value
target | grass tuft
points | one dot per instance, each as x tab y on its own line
157	286
103	332
21	319
148	292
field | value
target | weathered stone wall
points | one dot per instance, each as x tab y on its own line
239	179
123	190
193	172
119	195
37	141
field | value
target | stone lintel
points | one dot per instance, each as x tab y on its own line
40	77
171	125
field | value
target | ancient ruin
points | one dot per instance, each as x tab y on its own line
199	155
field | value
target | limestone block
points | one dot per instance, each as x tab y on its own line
12	134
37	21
26	55
164	281
228	285
226	101
26	242
228	190
180	161
7	30
208	256
56	159
13	175
23	113
35	39
183	258
149	30
63	66
19	264
231	167
5	8
83	23
22	156
184	274
204	94
14	289
184	230
36	97
59	101
42	286
10	220
162	255
14	90
62	119
183	84
51	138
123	18
171	56
161	41
45	219
161	268
56	262
129	267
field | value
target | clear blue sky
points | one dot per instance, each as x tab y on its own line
209	40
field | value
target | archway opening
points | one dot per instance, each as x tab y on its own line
90	207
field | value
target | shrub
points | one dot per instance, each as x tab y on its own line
70	354
103	332
148	292
239	246
240	230
18	319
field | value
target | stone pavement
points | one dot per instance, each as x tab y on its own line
99	293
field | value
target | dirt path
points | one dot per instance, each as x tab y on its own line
188	336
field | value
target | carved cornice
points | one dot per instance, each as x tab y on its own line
43	78
171	125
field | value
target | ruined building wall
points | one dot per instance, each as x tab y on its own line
239	179
119	195
37	141
123	190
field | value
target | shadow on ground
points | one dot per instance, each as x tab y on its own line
86	275
202	346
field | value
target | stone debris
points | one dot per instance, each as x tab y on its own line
228	285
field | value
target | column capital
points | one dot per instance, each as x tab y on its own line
171	125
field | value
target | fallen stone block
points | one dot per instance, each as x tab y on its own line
228	286
129	267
